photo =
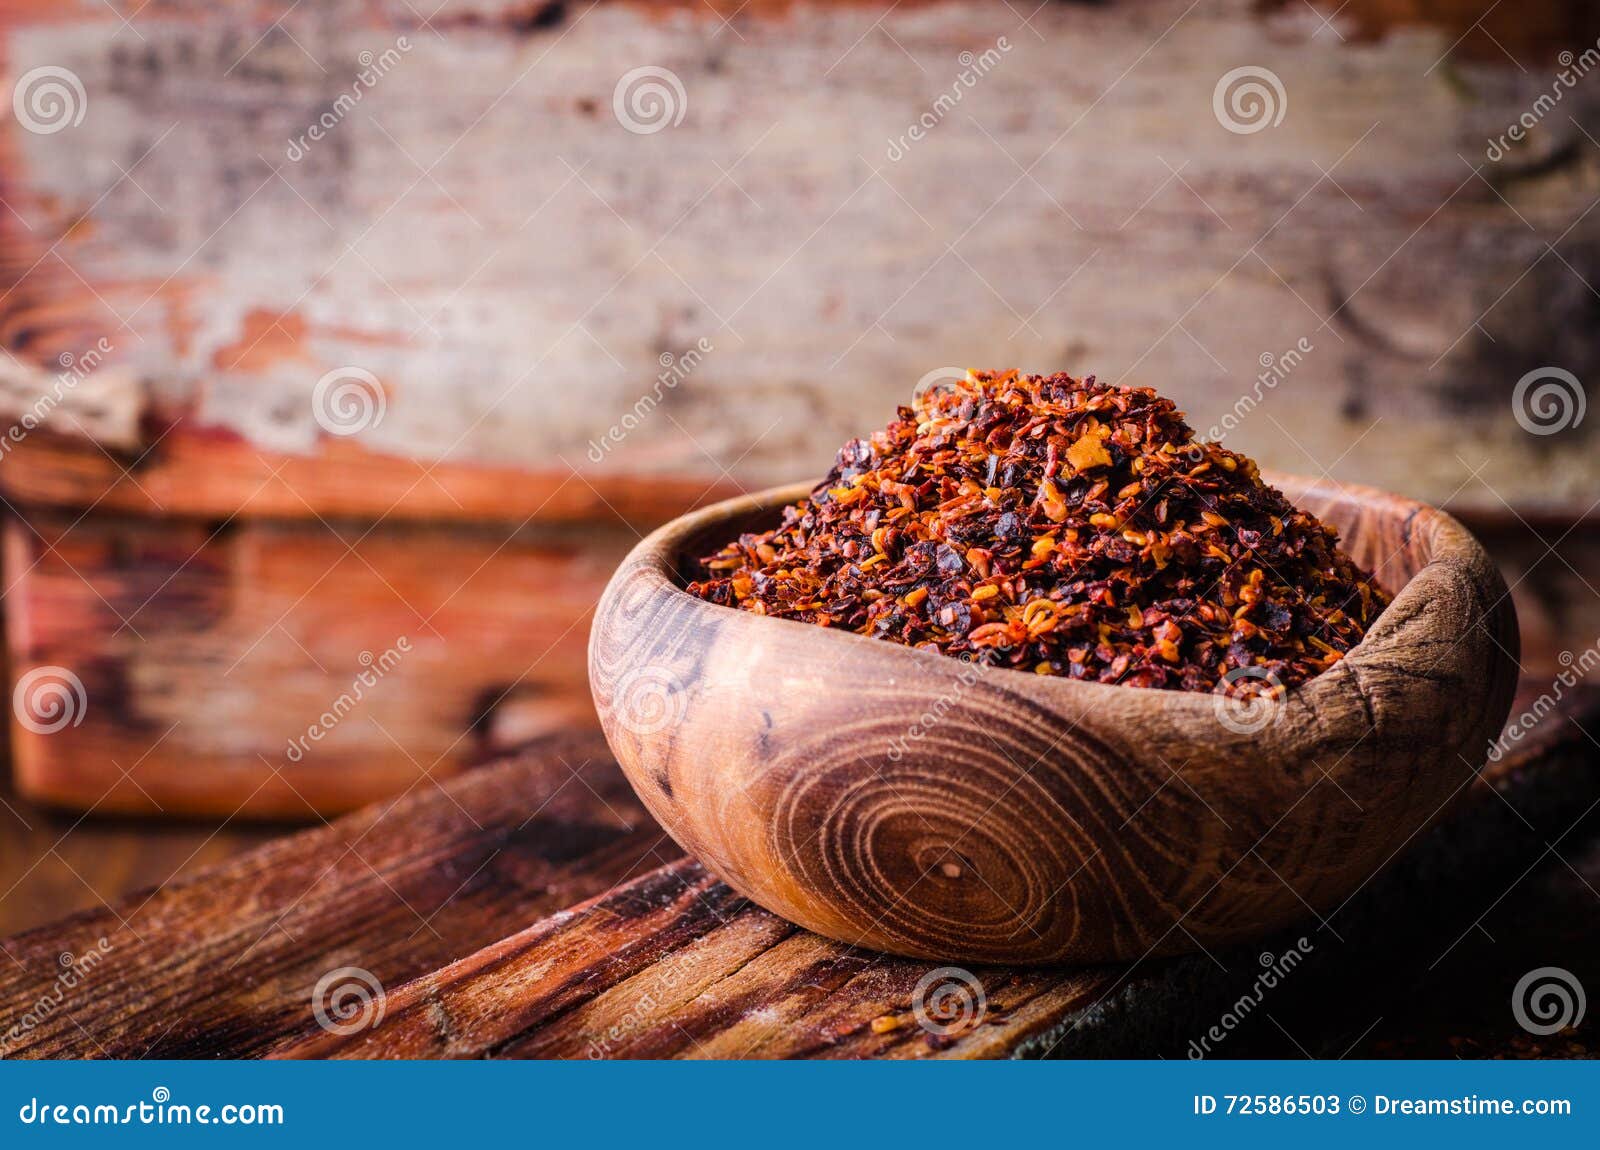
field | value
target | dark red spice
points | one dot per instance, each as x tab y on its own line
1062	526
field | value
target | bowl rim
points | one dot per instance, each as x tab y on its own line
1449	546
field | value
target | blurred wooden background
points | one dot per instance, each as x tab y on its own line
501	266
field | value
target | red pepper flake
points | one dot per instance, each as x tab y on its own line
1087	452
1060	526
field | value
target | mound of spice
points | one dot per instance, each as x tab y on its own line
1061	526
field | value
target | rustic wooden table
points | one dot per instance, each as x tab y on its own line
531	908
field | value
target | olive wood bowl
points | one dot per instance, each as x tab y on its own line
913	803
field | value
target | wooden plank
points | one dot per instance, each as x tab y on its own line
187	471
669	967
228	961
675	964
263	622
56	863
513	312
668	962
207	652
190	472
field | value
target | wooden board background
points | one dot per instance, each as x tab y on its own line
205	650
531	909
482	234
206	646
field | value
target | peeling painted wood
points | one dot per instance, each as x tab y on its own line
208	652
219	476
100	408
203	615
514	298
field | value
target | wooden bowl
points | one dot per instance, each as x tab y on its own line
912	803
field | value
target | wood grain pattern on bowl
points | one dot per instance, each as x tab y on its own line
920	805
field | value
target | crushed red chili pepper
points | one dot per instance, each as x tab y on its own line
1063	526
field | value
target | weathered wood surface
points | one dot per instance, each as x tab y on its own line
1553	571
676	964
185	473
663	961
213	650
946	810
54	863
225	963
482	234
514	289
206	651
504	609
